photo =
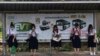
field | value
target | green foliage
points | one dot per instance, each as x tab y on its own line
22	47
0	29
0	35
67	47
98	33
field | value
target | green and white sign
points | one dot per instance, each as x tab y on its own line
23	26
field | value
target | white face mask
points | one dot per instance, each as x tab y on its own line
60	27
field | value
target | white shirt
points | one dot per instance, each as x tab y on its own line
33	33
55	38
92	33
11	31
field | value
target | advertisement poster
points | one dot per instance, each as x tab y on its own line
45	22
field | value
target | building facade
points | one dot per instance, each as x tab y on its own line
84	10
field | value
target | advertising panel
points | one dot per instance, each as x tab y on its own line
45	22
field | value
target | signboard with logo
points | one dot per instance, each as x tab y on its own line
44	24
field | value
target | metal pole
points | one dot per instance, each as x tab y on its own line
95	26
3	33
50	48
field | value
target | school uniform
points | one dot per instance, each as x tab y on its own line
32	41
12	43
91	37
12	32
76	41
56	42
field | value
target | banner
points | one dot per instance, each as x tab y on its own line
45	22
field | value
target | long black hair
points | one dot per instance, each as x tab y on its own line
55	28
33	25
90	27
12	25
76	25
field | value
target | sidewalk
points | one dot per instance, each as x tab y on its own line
85	53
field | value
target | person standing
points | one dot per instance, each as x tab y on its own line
56	38
32	40
91	39
12	41
76	41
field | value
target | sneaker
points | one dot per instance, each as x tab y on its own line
91	53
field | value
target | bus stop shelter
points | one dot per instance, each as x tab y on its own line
48	7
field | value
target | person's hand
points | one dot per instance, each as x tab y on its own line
13	39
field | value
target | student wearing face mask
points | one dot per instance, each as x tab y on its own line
32	40
91	33
76	41
56	38
12	42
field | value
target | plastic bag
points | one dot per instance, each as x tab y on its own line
13	50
